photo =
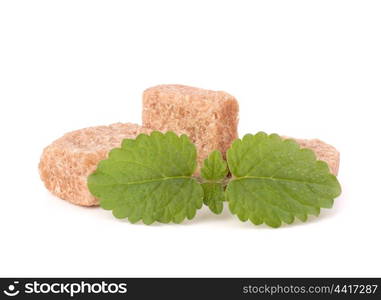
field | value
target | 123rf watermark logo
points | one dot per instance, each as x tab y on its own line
70	289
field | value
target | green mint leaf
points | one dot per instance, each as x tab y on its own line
275	181
214	196
150	179
214	171
214	167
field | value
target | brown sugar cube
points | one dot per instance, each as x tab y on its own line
323	151
67	162
209	118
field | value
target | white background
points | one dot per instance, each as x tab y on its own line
300	68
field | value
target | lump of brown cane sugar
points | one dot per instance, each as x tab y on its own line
323	151
67	162
209	118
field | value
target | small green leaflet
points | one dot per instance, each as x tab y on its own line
214	171
214	168
150	179
275	181
214	196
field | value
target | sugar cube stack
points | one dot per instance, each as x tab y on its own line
209	118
